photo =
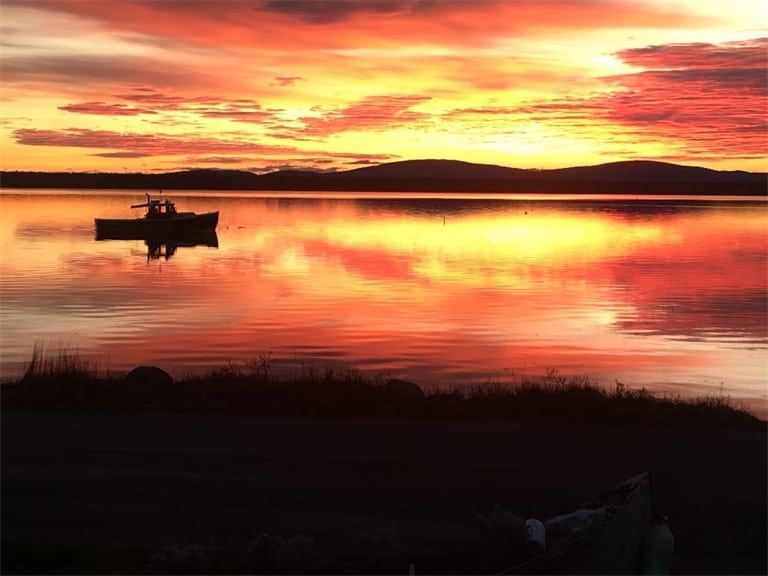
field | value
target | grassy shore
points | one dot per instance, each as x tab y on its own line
65	381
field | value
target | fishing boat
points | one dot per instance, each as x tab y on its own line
161	220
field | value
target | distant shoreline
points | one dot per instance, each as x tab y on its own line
424	176
554	188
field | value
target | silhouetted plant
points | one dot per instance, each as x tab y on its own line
60	362
261	367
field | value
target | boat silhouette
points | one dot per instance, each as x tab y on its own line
161	221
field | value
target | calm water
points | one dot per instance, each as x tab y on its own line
667	293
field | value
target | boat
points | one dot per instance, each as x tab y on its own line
619	531
160	221
612	535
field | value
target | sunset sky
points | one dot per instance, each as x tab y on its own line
162	85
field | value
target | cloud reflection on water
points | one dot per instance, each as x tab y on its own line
665	298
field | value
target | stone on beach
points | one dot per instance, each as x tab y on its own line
403	390
149	375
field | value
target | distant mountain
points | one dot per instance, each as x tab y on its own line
221	179
630	177
435	169
650	171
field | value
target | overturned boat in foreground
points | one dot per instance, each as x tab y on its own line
622	532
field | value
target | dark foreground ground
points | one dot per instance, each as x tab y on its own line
89	493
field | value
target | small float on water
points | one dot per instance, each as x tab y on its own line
161	220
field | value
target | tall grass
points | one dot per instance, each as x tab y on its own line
56	377
59	362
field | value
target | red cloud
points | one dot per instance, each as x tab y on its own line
153	102
132	145
255	114
350	24
370	114
75	72
708	97
216	160
701	98
102	108
287	80
313	12
748	54
121	155
147	144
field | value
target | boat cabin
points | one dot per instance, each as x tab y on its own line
160	209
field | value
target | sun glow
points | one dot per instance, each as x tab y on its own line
477	249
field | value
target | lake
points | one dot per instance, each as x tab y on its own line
667	293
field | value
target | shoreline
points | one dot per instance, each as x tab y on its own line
67	382
469	188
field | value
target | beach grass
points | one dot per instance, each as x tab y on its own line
58	362
60	379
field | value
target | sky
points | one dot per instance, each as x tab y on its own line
262	85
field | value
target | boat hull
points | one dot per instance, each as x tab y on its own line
155	228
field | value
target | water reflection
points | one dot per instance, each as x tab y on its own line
666	294
165	247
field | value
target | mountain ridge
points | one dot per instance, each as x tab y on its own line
428	175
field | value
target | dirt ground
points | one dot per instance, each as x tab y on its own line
95	493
